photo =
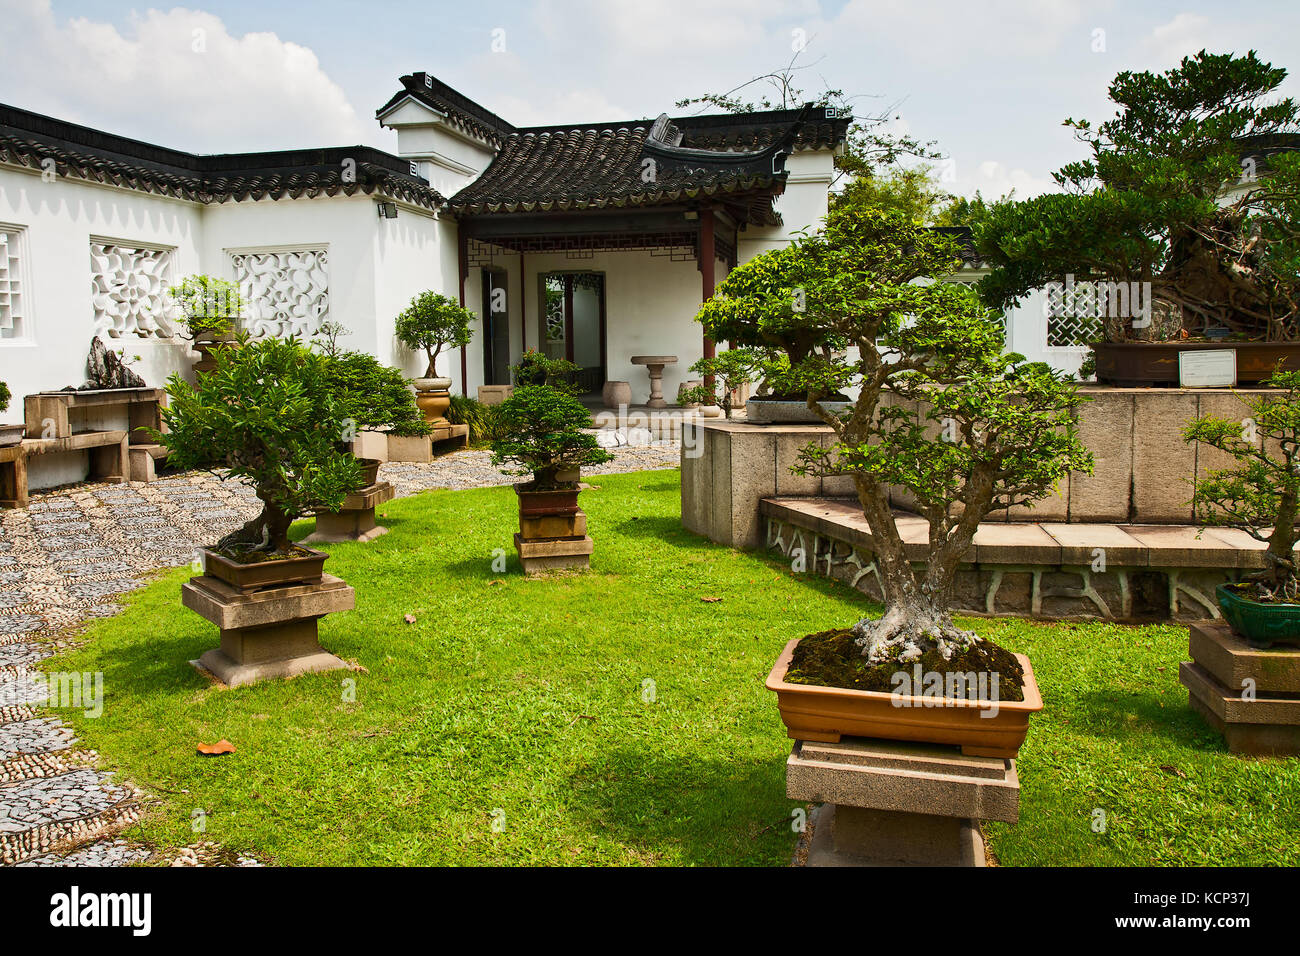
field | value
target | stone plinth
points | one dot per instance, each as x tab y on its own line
448	437
266	634
892	804
1251	696
355	520
553	554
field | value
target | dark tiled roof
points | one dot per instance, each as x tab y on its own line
460	109
30	140
645	163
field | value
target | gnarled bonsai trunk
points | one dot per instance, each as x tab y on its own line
268	532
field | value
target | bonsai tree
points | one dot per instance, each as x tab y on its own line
727	371
207	305
266	415
5	395
1261	491
543	434
536	368
372	395
1184	190
989	431
433	322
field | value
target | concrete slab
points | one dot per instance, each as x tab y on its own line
1079	543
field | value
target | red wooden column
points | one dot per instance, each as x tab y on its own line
462	268
707	259
523	304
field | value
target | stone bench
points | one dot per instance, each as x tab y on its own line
1044	569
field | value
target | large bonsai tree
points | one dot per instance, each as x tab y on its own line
373	395
983	430
433	322
543	434
536	368
1261	491
1183	189
207	305
266	415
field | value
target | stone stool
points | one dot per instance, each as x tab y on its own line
355	520
887	803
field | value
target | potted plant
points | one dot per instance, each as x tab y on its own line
543	435
9	434
990	432
433	322
268	416
373	397
760	309
1259	493
1177	229
725	376
535	368
210	310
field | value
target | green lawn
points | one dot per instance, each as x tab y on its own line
511	722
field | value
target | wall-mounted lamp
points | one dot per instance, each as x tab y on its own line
387	210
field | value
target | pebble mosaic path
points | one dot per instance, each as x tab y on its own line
67	559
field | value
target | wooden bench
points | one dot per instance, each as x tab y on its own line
108	453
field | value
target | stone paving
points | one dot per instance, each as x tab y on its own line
67	559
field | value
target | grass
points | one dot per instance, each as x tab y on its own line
514	721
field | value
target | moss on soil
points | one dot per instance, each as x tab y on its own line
833	659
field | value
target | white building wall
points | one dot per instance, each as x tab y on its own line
803	205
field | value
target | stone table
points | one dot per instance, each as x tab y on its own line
655	366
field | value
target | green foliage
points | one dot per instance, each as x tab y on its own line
536	368
543	433
1261	490
5	395
373	395
433	322
207	304
728	370
911	191
484	421
1166	198
268	414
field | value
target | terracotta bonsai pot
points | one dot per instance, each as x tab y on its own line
616	393
433	398
305	568
1155	364
369	471
812	712
541	504
11	434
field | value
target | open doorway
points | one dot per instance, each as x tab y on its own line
573	323
496	329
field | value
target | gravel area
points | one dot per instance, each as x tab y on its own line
65	560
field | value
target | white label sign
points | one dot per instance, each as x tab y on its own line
1209	368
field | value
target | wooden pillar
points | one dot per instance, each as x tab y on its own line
568	317
707	259
462	263
523	305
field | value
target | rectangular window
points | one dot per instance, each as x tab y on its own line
13	301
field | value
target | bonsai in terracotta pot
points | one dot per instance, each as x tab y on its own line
1176	229
543	436
9	434
1259	493
210	310
433	322
987	432
725	377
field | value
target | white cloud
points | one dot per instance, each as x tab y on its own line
993	179
176	78
1185	34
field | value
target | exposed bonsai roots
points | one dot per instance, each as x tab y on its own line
903	634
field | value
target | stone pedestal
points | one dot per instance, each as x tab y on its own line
1251	696
355	520
554	542
654	364
266	634
448	437
893	804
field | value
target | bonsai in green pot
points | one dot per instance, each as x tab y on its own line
1259	493
433	322
9	434
543	435
210	310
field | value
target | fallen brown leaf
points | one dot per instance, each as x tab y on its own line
409	619
1167	768
710	599
220	748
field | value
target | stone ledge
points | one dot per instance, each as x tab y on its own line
228	608
1227	704
1231	661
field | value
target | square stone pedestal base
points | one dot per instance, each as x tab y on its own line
355	520
266	634
449	437
552	554
1251	696
893	804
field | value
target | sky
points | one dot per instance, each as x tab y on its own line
989	81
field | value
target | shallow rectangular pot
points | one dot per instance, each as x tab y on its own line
1136	364
540	504
826	714
305	569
